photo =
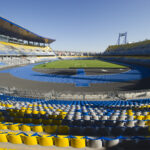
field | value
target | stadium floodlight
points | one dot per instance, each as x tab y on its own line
125	38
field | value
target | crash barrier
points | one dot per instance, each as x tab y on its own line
66	141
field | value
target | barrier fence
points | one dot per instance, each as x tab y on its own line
69	95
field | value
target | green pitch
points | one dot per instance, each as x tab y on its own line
66	64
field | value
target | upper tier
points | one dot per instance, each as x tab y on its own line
11	29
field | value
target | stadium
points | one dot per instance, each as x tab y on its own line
72	100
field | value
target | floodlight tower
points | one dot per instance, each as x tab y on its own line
124	35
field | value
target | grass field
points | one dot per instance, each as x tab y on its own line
66	64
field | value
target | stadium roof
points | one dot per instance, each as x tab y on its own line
11	29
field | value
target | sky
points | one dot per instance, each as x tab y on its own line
81	25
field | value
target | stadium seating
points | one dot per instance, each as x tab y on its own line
12	61
18	49
131	49
91	123
17	54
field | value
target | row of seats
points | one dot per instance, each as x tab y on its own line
18	49
138	48
79	112
76	130
94	123
11	61
73	141
131	52
58	140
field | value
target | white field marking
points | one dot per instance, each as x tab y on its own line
104	70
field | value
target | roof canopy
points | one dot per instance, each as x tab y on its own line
11	29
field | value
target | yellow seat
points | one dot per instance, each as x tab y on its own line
58	110
13	127
147	117
130	114
143	106
38	128
45	141
4	105
30	140
9	105
35	112
15	139
61	141
3	126
28	111
130	110
25	128
42	112
63	114
3	137
23	108
78	142
140	117
50	107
